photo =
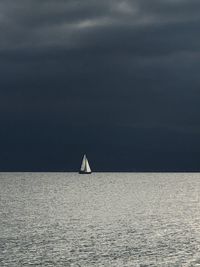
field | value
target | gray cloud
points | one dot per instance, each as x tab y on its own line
128	66
75	24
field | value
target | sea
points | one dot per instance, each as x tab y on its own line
102	219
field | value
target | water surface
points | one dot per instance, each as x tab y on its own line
103	219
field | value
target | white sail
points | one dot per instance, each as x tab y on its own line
83	164
85	167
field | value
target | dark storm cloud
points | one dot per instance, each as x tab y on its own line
72	23
131	67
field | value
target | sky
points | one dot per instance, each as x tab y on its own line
117	80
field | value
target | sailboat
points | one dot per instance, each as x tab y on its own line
85	167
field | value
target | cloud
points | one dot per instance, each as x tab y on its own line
109	75
105	62
136	28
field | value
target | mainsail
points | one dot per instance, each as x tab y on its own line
85	167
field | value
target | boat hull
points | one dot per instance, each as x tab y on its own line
82	172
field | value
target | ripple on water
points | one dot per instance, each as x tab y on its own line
107	219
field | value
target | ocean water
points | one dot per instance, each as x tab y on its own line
103	219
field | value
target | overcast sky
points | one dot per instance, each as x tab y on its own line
119	80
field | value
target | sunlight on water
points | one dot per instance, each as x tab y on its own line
103	219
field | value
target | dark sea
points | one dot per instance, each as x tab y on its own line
102	219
